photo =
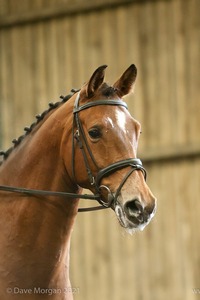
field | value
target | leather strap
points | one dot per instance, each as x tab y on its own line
99	102
133	162
32	192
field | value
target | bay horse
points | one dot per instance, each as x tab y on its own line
86	140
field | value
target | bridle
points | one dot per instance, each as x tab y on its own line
79	136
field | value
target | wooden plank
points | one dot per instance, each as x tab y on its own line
7	93
39	84
108	33
134	55
148	73
192	54
22	73
3	8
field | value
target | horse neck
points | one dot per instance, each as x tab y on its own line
36	162
41	225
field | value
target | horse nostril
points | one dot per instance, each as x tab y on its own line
134	207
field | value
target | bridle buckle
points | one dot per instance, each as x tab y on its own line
110	196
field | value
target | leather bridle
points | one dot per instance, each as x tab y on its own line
95	181
80	137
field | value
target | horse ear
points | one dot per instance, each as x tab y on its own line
95	81
125	83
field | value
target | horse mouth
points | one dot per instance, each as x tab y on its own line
131	221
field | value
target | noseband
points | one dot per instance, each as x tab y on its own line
80	137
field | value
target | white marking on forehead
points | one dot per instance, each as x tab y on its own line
110	121
121	120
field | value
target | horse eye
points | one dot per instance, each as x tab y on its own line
95	133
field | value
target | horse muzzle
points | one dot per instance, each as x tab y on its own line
134	215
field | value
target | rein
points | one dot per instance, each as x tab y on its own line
56	194
80	138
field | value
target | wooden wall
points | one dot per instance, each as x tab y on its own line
48	47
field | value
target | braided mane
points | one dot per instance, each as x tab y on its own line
39	118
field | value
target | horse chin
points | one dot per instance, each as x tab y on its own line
130	226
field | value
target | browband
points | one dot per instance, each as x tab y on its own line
78	108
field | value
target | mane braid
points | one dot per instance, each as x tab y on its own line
39	118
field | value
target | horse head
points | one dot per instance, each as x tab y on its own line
105	141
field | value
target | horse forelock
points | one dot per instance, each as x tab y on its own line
108	91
